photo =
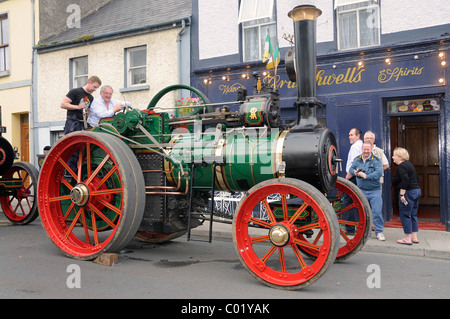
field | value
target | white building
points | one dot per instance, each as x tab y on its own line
17	37
136	47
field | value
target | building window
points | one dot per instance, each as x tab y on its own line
79	71
358	23
136	65
55	136
4	45
257	18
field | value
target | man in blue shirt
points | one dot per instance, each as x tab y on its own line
368	169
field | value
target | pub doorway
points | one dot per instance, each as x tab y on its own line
418	132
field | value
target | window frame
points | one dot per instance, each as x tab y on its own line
254	16
129	68
260	23
74	78
357	7
5	46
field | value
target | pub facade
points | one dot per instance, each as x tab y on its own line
397	88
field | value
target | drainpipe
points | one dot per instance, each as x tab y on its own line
180	73
32	115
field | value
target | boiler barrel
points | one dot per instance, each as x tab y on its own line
253	155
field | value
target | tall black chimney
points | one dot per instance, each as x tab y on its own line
305	17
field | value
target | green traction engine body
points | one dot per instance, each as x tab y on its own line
153	174
217	149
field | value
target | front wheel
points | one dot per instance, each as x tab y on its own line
271	251
91	194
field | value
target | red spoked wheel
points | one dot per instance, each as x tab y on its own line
20	204
352	209
271	251
91	194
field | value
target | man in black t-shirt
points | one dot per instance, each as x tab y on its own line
76	101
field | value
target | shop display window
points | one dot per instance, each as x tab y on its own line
411	105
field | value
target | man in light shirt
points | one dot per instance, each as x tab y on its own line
369	136
354	137
103	106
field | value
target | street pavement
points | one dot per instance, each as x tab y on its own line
432	243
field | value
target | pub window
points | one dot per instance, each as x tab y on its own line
80	71
136	61
4	45
257	18
358	23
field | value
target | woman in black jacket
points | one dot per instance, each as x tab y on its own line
407	181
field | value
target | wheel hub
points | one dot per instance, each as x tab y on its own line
80	194
279	235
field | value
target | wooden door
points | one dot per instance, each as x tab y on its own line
422	142
24	138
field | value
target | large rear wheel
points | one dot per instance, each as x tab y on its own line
271	251
91	194
351	199
352	210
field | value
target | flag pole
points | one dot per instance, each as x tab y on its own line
275	67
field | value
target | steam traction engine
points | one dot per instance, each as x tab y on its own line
145	174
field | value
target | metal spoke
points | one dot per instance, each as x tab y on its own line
269	253
260	222
259	239
297	213
68	169
101	215
269	211
99	167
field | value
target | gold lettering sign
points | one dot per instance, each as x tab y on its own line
269	80
225	88
351	75
387	75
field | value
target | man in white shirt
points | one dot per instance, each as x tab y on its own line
354	137
103	106
355	140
